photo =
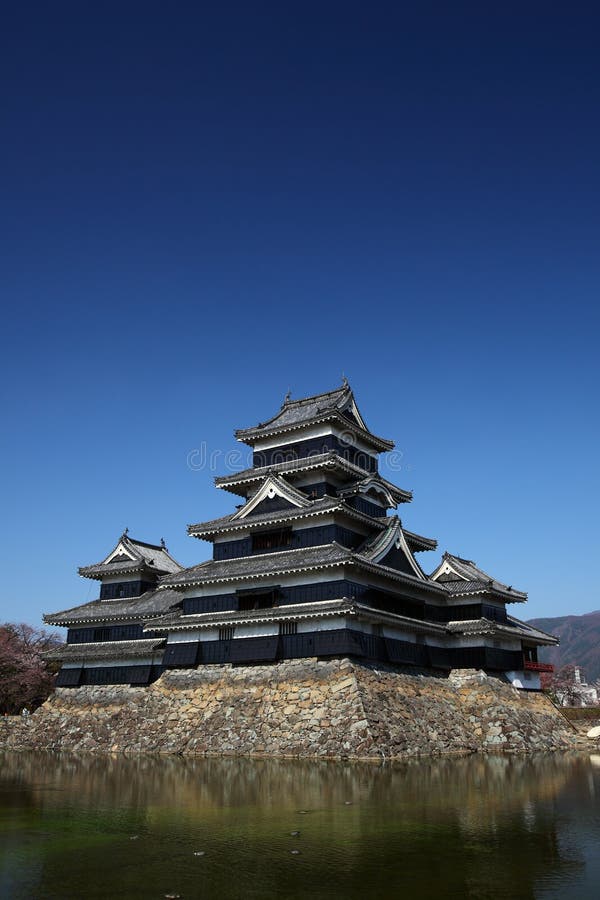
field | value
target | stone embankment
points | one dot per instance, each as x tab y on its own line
301	708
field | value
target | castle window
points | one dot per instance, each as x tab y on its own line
255	600
226	634
288	628
271	540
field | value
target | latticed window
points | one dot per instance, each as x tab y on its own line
118	590
101	634
288	628
226	634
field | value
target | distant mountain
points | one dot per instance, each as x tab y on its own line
579	642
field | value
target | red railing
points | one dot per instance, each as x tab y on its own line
537	667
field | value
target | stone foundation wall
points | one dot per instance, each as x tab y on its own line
300	708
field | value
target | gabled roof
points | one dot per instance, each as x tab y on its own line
130	556
152	603
372	484
274	486
339	405
377	548
236	482
461	577
321	506
417	542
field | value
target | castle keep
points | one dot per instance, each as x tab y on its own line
314	562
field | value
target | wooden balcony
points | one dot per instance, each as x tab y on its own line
537	666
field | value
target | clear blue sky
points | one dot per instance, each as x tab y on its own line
203	205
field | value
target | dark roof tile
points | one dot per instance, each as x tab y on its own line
317	507
105	650
260	564
286	562
152	603
291	612
308	410
138	556
470	579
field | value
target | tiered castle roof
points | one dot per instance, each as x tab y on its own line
145	606
333	407
328	462
130	557
462	578
316	561
321	558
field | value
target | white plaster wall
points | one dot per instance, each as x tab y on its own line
200	634
232	536
260	629
474	640
183	637
502	643
528	680
464	641
295	436
399	635
435	641
334	574
329	624
209	634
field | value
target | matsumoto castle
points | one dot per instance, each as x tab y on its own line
314	562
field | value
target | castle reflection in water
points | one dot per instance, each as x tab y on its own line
476	826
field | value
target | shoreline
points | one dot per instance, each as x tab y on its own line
308	708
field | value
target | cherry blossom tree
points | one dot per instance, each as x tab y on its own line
562	686
26	680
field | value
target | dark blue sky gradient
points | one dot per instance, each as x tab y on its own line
203	207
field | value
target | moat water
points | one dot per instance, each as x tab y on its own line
483	827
